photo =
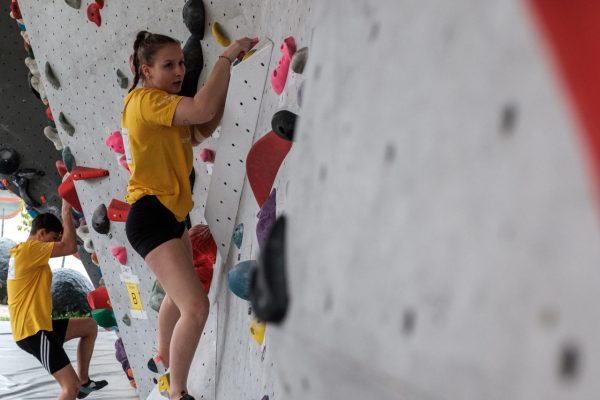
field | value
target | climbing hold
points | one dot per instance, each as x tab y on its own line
194	62
299	60
22	27
204	252
238	235
115	142
67	191
257	331
32	66
120	254
100	3
83	232
118	210
52	135
100	221
239	278
263	162
220	35
122	79
76	4
288	48
156	296
68	158
15	10
284	123
123	162
88	245
268	289
301	93
126	320
66	125
49	114
51	76
95	259
266	218
9	161
98	299
60	167
93	13
25	37
207	155
248	55
85	173
194	17
36	86
104	318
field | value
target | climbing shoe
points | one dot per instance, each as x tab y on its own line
89	387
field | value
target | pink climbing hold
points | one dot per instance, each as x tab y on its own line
123	162
207	155
120	254
115	142
288	48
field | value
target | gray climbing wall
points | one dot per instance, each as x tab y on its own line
441	247
229	363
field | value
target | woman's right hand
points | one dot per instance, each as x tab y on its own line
242	45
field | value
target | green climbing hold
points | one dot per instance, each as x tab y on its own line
76	4
122	79
51	76
68	159
238	235
66	125
104	317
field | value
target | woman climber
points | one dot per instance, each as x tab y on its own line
159	128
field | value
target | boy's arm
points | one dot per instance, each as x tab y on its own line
68	242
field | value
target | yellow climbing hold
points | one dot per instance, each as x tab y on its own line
164	384
249	54
220	35
257	331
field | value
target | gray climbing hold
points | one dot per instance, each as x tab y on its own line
68	159
100	221
238	235
126	320
52	135
76	4
51	76
299	60
156	297
66	125
122	79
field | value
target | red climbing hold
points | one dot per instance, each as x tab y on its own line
49	114
93	13
120	254
263	162
98	299
15	10
204	251
84	173
67	191
207	155
288	48
100	3
61	168
118	210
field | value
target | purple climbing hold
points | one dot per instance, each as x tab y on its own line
266	218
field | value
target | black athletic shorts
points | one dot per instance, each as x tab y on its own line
150	224
47	347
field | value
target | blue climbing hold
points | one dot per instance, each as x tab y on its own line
239	278
238	235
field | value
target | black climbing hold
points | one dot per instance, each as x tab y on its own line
66	125
100	221
9	161
51	76
122	79
194	62
194	17
283	124
268	287
76	4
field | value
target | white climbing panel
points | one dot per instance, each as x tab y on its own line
237	135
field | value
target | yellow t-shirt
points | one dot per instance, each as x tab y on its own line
29	284
159	154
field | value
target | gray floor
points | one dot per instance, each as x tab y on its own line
23	378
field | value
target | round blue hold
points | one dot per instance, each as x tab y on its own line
239	278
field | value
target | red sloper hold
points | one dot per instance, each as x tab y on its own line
204	251
100	3
93	14
83	173
60	167
98	299
572	29
118	210
67	191
49	114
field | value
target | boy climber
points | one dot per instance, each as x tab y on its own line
29	285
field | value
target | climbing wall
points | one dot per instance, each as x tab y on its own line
443	229
85	58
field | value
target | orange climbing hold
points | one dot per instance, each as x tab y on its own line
98	299
118	210
84	173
